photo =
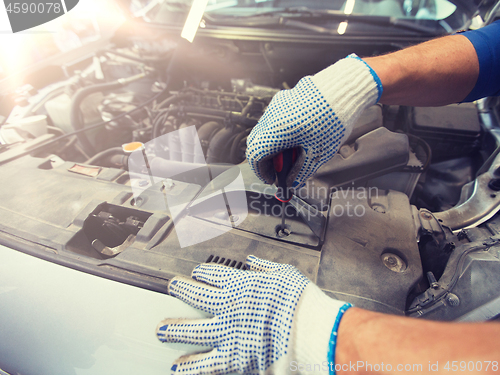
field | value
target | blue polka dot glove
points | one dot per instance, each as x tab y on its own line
267	320
317	115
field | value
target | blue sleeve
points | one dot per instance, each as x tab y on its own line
486	41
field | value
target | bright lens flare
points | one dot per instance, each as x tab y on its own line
193	19
349	6
342	28
79	26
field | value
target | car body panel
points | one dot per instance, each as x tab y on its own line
56	320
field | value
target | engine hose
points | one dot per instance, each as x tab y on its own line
217	151
79	132
232	117
103	154
143	60
206	133
55	140
237	154
77	122
167	102
246	109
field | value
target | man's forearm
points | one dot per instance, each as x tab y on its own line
370	338
438	72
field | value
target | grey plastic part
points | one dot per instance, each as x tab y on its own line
264	210
370	119
451	131
352	267
485	312
404	181
198	172
310	215
373	154
457	118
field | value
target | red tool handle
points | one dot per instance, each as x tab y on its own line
283	163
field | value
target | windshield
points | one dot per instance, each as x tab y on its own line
432	9
429	16
161	11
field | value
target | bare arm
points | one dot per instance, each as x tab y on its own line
374	338
438	72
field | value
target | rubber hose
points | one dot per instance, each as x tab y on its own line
109	152
218	145
168	101
76	119
135	58
206	133
232	117
235	154
208	129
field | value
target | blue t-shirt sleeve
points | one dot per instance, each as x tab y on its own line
486	41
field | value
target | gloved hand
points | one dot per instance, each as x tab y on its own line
317	114
264	318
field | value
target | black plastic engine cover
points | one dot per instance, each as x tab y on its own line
350	259
370	256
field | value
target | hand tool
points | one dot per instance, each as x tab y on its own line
283	163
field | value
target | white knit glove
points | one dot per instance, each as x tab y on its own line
317	114
267	320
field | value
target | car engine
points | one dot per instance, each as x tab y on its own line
402	220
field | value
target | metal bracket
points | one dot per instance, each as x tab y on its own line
483	203
112	251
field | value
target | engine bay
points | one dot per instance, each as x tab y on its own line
402	220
